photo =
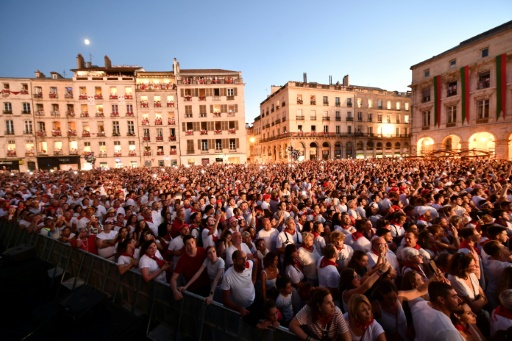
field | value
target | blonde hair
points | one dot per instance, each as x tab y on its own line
306	235
355	301
336	235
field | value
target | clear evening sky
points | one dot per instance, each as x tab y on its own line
271	42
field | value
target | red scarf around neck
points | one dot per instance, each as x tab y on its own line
326	262
309	248
502	311
356	235
363	325
158	261
465	245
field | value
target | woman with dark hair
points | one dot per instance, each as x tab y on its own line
271	314
127	255
139	228
164	234
465	323
152	265
388	311
224	243
293	269
269	275
323	319
131	223
359	262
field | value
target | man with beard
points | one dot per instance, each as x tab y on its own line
432	319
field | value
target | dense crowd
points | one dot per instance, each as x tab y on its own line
396	249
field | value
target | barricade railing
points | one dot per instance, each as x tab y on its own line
191	317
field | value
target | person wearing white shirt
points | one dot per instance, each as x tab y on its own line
105	241
237	245
328	275
268	234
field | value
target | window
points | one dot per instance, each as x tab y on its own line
313	128
484	80
482	109
337	101
204	145
379	118
452	89
379	104
451	114
7	108
370	103
425	95
349	116
397	105
230	92
146	132
232	144
115	128
359	116
9	127
485	52
426	118
218	144
312	100
131	128
369	130
115	108
188	111
452	63
426	73
349	129
406	118
326	100
359	102
370	118
299	127
349	102
129	108
338	116
326	129
313	115
388	118
388	105
338	130
299	114
406	106
202	111
397	118
28	127
41	126
26	108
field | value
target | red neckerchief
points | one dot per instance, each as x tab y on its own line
159	262
356	235
417	246
376	253
342	248
315	235
465	245
422	219
502	311
309	248
326	262
461	328
324	321
127	254
411	265
214	237
362	325
149	220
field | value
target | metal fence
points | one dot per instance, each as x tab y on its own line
189	318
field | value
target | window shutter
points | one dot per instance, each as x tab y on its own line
224	108
196	126
235	91
237	143
211	144
211	109
209	92
223	91
184	127
224	125
209	126
236	107
236	125
182	92
198	144
196	92
225	144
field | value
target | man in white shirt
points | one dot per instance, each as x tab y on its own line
357	240
432	319
106	240
289	236
237	245
176	245
268	234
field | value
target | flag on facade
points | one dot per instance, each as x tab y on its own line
437	101
464	80
501	85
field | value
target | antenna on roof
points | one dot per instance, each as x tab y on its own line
64	73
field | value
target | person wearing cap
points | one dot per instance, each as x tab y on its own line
265	204
105	241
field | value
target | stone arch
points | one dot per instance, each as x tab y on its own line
326	151
483	141
451	143
425	145
369	145
313	151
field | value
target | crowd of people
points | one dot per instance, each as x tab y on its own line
396	249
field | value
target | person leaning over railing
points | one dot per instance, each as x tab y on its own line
152	265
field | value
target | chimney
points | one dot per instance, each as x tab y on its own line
80	62
39	74
346	81
89	64
108	63
305	77
330	80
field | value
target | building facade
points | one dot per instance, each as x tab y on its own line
326	121
120	116
461	98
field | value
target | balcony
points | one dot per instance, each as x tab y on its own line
300	118
40	113
29	153
483	84
159	152
128	96
218	131
7	112
101	134
232	131
451	124
84	114
326	103
100	114
338	119
56	133
158	121
11	153
71	132
130	133
86	133
189	132
216	98
326	118
57	152
349	104
147	153
190	151
350	119
313	118
117	154
172	152
231	114
158	104
172	138
188	98
132	153
102	154
299	101
116	133
82	97
25	112
27	132
424	99
43	152
159	138
145	121
337	104
202	98
53	95
113	96
146	139
38	95
24	91
171	122
55	113
216	114
482	120
73	151
114	114
98	96
144	105
130	114
170	104
230	98
425	128
70	113
204	132
312	102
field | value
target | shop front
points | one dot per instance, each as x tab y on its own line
58	163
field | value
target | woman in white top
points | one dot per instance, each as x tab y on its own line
494	265
463	279
309	257
388	311
214	265
152	265
361	324
127	255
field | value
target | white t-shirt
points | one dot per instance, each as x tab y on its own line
208	239
361	243
284	238
213	268
462	288
390	256
499	322
295	274
328	276
431	324
284	304
231	249
309	261
107	252
270	238
175	245
240	285
371	333
146	262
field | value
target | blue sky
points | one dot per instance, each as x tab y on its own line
271	42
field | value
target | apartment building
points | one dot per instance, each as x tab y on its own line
460	98
122	116
333	121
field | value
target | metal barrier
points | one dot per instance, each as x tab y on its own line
188	318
